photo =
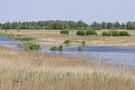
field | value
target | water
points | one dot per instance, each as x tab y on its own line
112	53
5	41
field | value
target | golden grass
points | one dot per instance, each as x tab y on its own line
20	70
54	37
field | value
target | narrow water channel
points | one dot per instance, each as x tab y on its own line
114	53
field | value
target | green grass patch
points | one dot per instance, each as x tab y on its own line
25	38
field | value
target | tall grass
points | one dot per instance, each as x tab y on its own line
21	70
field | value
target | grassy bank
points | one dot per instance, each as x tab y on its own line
53	37
21	70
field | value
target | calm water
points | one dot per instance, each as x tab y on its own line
113	53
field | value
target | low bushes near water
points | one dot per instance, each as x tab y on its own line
80	48
25	38
55	48
67	42
115	33
83	43
30	46
10	35
65	31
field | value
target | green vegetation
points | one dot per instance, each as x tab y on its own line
59	24
80	48
86	32
91	32
53	48
124	33
115	33
83	43
25	38
66	31
7	34
29	46
106	33
67	42
81	33
60	48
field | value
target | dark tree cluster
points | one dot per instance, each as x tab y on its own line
59	24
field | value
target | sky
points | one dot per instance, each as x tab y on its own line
85	10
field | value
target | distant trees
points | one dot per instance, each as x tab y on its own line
71	25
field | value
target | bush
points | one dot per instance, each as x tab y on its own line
83	43
91	32
67	42
106	33
64	31
124	33
81	33
80	48
53	48
30	46
60	48
115	33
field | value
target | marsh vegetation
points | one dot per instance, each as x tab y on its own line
35	70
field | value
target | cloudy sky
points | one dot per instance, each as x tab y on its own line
86	10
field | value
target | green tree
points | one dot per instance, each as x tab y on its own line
123	26
110	25
117	25
104	25
130	25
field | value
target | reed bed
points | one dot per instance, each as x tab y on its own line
21	70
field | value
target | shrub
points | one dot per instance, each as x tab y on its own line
83	43
30	46
53	48
60	48
106	33
115	33
124	33
81	33
67	42
64	31
80	48
91	32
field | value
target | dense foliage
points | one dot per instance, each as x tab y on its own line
65	31
91	32
81	33
59	24
115	33
30	46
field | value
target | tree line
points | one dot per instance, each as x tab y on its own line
59	24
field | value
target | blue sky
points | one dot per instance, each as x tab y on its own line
86	10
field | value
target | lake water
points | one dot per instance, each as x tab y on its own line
113	53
